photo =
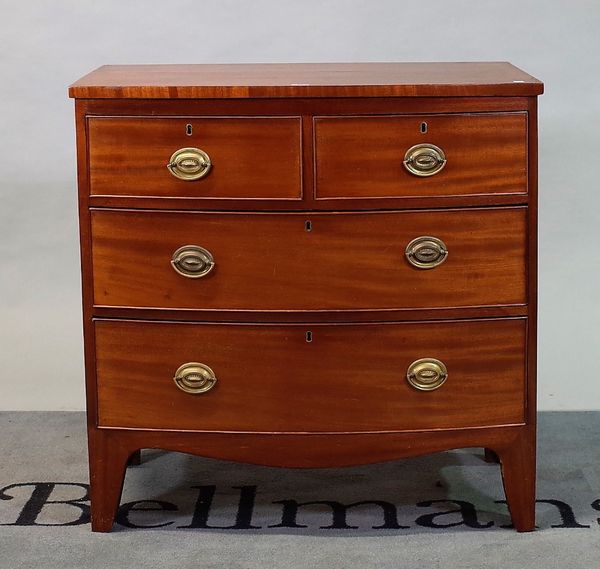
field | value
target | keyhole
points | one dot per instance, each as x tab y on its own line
309	336
188	129
423	127
308	225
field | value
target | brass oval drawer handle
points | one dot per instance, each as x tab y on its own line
189	164
426	252
195	378
192	261
427	374
424	160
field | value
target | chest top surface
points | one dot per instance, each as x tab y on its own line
196	81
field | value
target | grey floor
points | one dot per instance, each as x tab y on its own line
447	507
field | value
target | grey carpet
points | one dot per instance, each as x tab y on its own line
43	460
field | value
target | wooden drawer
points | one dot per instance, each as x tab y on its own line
251	157
362	157
348	378
347	261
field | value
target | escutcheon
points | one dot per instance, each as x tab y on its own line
193	261
426	252
195	378
424	160
189	164
427	374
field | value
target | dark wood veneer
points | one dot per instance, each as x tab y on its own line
267	91
252	157
346	261
361	157
306	79
347	378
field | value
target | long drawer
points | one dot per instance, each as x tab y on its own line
342	261
220	157
446	155
310	378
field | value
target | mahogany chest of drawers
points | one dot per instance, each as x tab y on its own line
309	265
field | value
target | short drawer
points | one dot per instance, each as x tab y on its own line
244	157
340	261
364	157
347	378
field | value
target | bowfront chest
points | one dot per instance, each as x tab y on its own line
309	265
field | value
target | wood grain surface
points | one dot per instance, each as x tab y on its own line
251	157
417	79
110	450
345	262
347	378
334	136
307	108
362	157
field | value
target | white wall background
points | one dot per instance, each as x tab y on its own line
44	46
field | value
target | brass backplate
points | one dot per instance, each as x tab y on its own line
195	378
189	164
424	160
426	252
427	374
192	261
